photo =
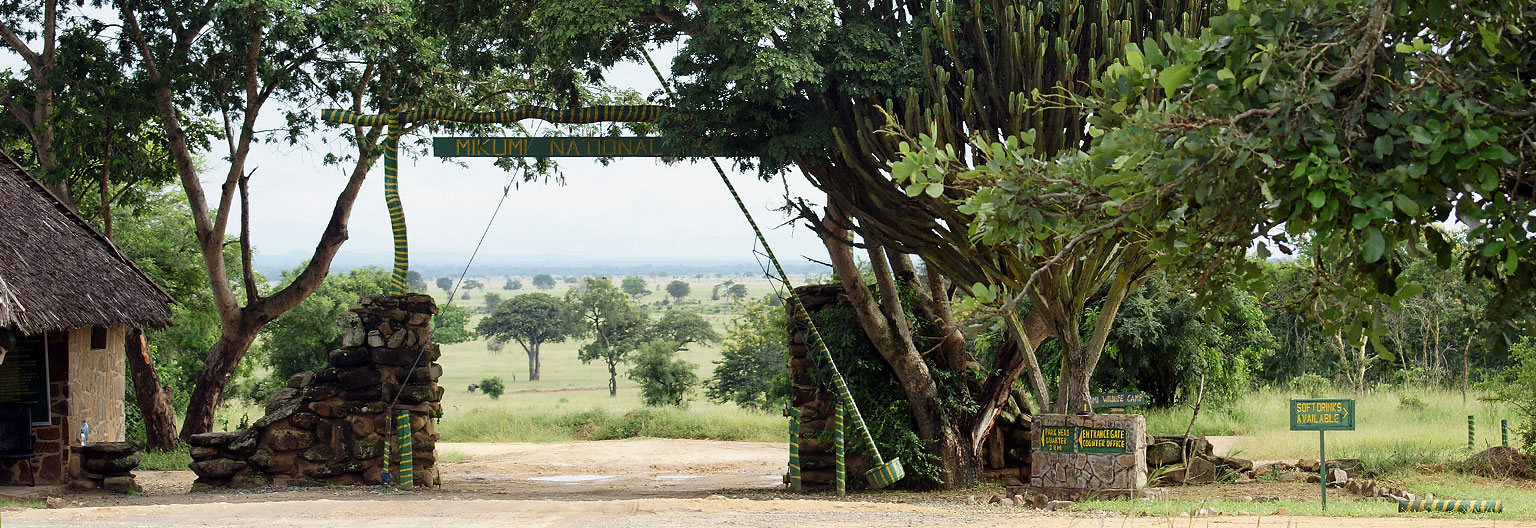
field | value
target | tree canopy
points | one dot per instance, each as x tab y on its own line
531	319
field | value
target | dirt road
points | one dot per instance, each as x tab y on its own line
628	483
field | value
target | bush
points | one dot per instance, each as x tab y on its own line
493	387
1312	385
664	379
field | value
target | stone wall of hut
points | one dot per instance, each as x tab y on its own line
333	426
85	385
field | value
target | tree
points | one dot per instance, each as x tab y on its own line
543	281
451	325
752	359
635	287
664	379
493	387
683	327
300	339
678	290
473	284
531	319
736	292
416	282
444	283
617	328
512	284
491	300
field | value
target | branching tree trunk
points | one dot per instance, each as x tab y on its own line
38	120
154	399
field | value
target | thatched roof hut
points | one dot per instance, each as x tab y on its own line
58	273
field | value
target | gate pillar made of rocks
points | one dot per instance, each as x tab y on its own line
333	426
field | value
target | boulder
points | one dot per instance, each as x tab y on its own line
1309	465
219	439
110	449
111	466
120	484
1163	454
289	439
217	468
1352	466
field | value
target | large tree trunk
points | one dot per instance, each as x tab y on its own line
217	371
533	363
889	331
153	398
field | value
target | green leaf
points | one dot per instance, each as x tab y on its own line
1412	289
1383	145
1374	245
935	189
1225	74
1406	204
1317	198
1174	77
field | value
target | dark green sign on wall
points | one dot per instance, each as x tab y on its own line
1057	440
1083	440
24	377
1323	414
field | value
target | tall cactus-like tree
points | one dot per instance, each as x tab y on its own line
817	84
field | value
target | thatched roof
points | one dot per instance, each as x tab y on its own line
57	272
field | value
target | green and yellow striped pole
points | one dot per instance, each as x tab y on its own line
1471	433
1504	433
840	451
884	473
1451	506
794	447
397	282
407	476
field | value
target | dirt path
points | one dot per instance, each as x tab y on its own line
627	483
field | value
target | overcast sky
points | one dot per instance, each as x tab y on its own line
635	209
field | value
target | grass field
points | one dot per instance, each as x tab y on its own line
1393	428
571	401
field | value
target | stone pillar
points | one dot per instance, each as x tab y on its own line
1078	455
331	426
818	405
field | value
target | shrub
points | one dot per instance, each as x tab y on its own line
1311	385
664	379
493	387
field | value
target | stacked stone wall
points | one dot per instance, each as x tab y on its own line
97	384
333	426
1097	453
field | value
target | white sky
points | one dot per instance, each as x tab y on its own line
632	209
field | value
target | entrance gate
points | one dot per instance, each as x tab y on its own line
884	472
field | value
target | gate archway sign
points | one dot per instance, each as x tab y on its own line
884	473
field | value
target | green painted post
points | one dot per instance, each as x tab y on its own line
1322	464
407	477
839	449
794	447
1504	432
1471	433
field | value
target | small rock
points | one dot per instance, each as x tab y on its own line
715	497
1247	499
1281	511
1058	505
1018	500
1292	476
995	500
55	503
1183	514
1204	512
970	499
1337	475
1243	479
1309	465
1242	513
1266	499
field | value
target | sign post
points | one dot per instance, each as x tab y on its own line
1323	415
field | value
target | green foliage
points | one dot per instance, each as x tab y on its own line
881	399
1165	343
682	327
415	282
543	281
532	319
512	284
444	283
736	292
605	314
635	287
664	379
493	387
473	284
451	325
491	301
751	370
299	339
1516	387
678	290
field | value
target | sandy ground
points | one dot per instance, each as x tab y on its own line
639	483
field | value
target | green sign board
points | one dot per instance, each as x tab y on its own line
1083	440
1057	440
562	147
1323	414
1119	399
24	377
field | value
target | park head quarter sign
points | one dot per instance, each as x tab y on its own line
1325	414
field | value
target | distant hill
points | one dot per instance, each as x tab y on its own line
433	265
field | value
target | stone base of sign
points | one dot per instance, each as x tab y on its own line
1119	472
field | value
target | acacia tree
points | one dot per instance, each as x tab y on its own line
617	328
678	290
635	287
531	319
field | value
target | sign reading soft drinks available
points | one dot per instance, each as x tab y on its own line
1323	415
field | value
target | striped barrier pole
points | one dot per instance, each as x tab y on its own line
1504	432
794	447
839	449
403	440
1451	506
1471	433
